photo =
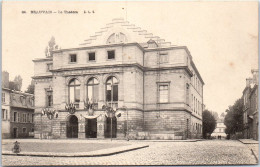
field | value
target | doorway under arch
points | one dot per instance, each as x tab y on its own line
91	128
72	127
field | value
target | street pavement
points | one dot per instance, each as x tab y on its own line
207	152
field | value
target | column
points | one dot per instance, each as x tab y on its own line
101	126
102	86
81	128
82	93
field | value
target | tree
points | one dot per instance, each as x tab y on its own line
16	84
12	85
30	88
234	118
208	123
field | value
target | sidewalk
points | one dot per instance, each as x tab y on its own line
248	141
69	148
253	145
94	140
77	147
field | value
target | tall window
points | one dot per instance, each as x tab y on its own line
192	101
32	118
4	114
24	118
92	90
15	116
163	93
49	98
194	104
74	91
112	91
188	94
19	117
3	97
28	117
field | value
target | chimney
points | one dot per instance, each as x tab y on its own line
5	79
248	82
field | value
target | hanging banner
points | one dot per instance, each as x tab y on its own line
91	116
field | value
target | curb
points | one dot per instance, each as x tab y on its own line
254	142
254	155
83	154
169	140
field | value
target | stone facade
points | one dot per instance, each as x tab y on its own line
156	87
250	114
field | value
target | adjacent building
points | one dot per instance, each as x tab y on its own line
154	85
17	111
220	127
250	111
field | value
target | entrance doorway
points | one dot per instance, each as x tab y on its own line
91	128
108	127
72	127
15	132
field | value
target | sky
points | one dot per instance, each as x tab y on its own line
222	37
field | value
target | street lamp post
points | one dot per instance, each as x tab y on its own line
110	113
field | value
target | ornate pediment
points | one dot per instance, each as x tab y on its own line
120	31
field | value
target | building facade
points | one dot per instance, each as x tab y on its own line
250	111
17	112
154	85
220	128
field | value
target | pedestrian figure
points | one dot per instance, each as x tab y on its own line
16	148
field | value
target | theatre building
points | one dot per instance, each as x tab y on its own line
154	87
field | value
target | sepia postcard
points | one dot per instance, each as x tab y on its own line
129	83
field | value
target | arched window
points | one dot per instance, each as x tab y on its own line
112	91
117	38
74	91
92	90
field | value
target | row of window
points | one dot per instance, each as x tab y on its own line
196	105
91	56
197	127
92	88
22	99
23	117
196	83
92	91
24	130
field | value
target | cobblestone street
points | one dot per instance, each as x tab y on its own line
213	152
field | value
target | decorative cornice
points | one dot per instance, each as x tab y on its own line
42	77
42	59
136	65
100	46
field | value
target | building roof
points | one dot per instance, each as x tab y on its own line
129	34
